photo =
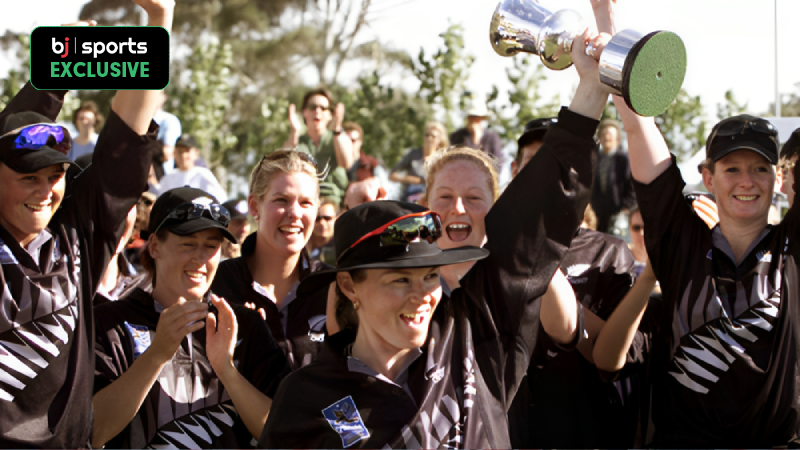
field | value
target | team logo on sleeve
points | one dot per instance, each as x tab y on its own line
345	420
141	338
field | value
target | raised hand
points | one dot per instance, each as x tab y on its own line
604	15
174	324
338	117
294	121
221	333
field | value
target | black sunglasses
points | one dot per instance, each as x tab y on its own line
423	226
189	211
738	126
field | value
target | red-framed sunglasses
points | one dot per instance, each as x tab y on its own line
426	225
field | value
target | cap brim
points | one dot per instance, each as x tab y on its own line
30	161
747	145
323	278
193	226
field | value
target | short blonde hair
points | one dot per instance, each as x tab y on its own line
444	141
439	159
276	163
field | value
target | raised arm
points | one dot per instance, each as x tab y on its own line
615	337
647	150
342	145
136	108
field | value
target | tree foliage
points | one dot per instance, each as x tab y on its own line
683	125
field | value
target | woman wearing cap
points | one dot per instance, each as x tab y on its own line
56	241
283	200
170	372
413	368
410	171
727	340
239	227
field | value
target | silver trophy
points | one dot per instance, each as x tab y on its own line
647	70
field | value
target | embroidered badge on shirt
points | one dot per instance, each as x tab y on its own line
316	328
345	420
141	338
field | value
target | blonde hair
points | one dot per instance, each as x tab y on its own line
276	163
441	158
444	140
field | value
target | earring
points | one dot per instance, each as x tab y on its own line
355	305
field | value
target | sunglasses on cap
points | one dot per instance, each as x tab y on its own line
739	125
405	230
33	137
284	152
189	211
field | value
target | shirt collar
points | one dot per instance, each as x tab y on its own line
719	241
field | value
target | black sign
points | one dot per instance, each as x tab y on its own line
67	58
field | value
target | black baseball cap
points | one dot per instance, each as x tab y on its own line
743	132
187	141
28	157
535	131
356	249
178	198
237	208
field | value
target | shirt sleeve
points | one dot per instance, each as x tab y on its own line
673	233
99	199
46	103
529	230
111	353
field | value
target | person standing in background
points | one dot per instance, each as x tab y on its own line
87	120
613	186
474	135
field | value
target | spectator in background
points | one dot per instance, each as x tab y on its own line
239	227
365	191
332	149
789	155
143	207
474	135
169	131
410	171
321	246
613	187
87	120
188	173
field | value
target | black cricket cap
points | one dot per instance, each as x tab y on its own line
173	198
28	160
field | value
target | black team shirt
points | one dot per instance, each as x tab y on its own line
564	402
458	389
46	324
299	326
187	407
726	343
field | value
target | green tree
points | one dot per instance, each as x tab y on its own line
525	101
731	107
201	99
683	125
444	74
790	104
393	120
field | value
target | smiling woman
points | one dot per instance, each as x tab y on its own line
284	201
141	362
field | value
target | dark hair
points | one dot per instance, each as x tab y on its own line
352	126
146	260
90	106
318	91
792	146
346	315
